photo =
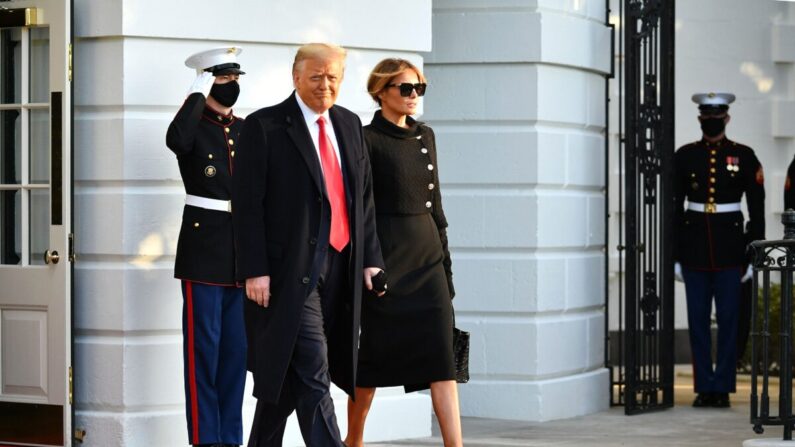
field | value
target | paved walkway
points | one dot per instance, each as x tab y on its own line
682	426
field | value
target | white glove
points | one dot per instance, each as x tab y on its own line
748	274
202	84
678	272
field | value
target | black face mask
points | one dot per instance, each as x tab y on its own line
226	94
712	127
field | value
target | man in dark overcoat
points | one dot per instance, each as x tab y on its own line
306	243
711	177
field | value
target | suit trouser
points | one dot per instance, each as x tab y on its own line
306	386
214	349
701	286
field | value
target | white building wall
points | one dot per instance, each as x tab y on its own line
735	46
130	80
516	98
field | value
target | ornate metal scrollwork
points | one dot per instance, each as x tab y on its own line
646	369
772	328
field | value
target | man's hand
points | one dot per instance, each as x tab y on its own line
678	272
258	289
202	84
748	274
369	272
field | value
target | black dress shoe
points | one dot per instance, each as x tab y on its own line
721	400
703	400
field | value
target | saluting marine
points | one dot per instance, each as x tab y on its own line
203	135
712	175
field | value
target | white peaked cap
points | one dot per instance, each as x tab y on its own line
211	58
713	99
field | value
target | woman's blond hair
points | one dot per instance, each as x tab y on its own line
385	72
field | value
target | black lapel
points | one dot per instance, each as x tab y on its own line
345	140
299	133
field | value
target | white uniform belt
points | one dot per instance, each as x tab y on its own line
210	204
714	207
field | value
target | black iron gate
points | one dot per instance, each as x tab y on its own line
641	360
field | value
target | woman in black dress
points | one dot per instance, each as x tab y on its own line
407	334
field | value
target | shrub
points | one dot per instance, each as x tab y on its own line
774	328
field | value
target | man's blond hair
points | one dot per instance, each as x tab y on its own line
318	51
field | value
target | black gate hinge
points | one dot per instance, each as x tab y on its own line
72	255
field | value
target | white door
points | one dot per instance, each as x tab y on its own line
35	222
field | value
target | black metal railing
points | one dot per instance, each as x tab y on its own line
771	328
640	354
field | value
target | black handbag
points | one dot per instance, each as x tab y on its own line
461	352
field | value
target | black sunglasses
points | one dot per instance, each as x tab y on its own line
406	88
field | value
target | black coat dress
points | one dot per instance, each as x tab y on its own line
407	335
281	219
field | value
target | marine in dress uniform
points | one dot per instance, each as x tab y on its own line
203	136
711	177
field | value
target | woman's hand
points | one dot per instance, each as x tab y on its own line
369	272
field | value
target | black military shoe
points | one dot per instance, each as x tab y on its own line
721	400
703	400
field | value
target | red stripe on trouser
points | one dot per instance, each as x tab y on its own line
194	405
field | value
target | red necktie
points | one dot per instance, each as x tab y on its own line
340	233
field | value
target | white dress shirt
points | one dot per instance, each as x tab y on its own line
311	118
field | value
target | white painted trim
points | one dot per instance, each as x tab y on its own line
25	147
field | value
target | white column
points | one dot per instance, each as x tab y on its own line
517	99
130	80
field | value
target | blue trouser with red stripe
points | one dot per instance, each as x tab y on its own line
700	287
214	348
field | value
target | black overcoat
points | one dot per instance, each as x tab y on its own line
281	220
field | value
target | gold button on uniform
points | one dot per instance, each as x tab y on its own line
430	167
220	118
232	154
430	186
427	204
226	129
712	190
231	142
713	152
712	179
424	150
195	224
712	170
210	156
712	199
712	160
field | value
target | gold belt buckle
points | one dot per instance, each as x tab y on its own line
710	208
